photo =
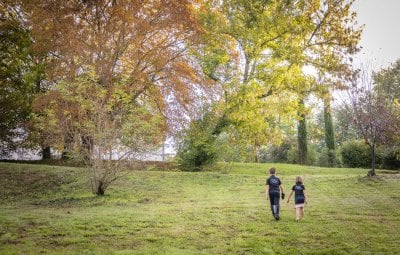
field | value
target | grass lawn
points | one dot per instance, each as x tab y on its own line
50	210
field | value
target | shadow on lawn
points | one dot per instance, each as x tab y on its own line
63	202
382	176
26	183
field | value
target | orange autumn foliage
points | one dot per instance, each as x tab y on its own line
138	46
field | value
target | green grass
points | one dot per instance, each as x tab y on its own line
50	210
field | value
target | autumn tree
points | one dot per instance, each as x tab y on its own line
138	49
119	128
374	114
142	45
387	84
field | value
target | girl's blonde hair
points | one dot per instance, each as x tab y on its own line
299	179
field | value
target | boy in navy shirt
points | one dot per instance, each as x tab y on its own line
272	192
300	197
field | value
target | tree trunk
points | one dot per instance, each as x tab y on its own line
373	163
329	133
302	137
255	153
246	70
87	147
68	145
46	153
99	188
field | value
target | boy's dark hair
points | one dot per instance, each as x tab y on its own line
272	170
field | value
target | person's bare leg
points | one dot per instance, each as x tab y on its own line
297	214
302	212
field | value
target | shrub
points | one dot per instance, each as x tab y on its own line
197	148
293	155
391	159
280	153
312	154
328	158
355	153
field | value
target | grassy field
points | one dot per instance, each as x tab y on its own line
50	210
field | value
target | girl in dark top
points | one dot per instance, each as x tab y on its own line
300	197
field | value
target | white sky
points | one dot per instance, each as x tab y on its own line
381	35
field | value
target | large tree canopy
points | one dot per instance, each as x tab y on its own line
139	46
121	76
166	58
259	51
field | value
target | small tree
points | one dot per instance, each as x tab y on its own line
104	128
374	116
197	147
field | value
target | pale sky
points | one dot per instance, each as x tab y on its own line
381	36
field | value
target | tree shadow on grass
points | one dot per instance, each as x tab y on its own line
375	178
65	202
25	183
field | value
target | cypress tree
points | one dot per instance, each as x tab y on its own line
302	135
329	133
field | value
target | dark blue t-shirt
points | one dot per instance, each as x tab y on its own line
298	192
274	184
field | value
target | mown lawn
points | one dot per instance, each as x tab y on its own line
50	210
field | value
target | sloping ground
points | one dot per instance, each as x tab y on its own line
50	210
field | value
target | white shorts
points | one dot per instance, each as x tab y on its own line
298	205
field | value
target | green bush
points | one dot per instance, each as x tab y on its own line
355	153
312	154
328	158
293	155
197	148
391	159
279	153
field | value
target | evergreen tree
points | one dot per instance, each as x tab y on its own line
302	136
329	133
